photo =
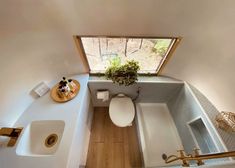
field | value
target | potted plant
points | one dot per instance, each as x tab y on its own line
125	74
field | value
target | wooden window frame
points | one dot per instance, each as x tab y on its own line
163	63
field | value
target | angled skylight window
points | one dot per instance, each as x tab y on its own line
149	52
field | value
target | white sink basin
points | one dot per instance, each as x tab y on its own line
41	138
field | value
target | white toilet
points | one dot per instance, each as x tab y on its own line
122	110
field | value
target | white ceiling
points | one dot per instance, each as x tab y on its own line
205	57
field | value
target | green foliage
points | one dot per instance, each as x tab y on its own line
161	47
122	74
115	62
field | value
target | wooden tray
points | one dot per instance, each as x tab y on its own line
56	97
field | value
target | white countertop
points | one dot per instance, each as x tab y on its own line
45	108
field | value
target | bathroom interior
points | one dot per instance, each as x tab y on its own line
60	110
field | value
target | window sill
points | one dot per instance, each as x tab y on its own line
141	79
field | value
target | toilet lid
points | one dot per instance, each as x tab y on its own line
121	111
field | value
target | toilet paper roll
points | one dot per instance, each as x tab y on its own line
103	95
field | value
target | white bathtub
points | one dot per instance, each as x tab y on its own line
157	133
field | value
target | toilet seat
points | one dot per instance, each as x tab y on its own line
121	110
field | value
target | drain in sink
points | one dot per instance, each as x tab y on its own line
51	140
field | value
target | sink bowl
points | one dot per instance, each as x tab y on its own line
41	138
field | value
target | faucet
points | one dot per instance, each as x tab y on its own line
185	158
172	158
12	133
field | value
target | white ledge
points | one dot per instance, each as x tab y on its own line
141	79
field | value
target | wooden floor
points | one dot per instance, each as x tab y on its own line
111	146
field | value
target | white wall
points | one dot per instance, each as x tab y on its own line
35	45
36	42
206	57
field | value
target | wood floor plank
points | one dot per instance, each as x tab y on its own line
127	157
111	146
118	153
108	142
118	134
98	132
132	145
96	155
